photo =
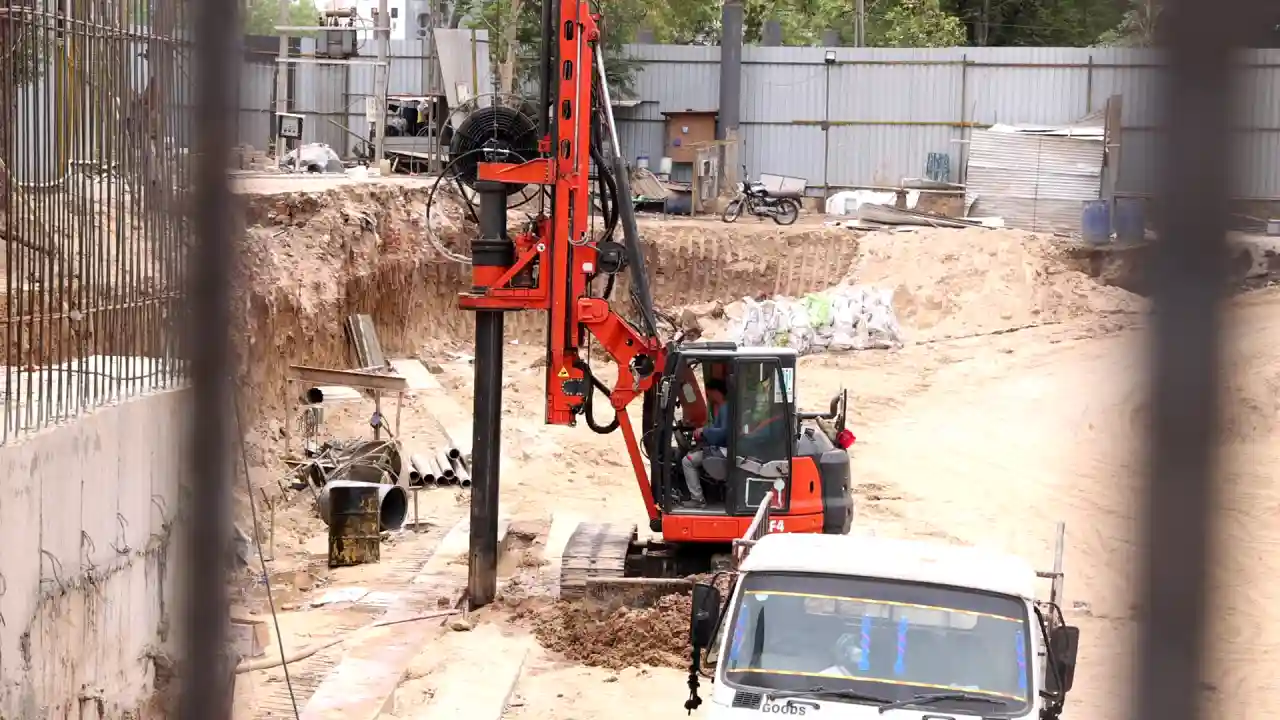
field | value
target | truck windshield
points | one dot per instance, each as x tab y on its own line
888	639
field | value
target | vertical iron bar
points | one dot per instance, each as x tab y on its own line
1189	283
495	249
217	68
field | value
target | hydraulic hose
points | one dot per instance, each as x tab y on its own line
587	404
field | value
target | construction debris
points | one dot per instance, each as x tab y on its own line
625	637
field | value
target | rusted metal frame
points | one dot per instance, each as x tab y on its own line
352	378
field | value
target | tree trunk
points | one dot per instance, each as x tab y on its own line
507	68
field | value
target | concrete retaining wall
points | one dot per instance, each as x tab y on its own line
88	568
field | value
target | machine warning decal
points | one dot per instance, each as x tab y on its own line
564	373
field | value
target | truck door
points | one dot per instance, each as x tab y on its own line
761	435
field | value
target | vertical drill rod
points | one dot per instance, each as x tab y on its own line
491	248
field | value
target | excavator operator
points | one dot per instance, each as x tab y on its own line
712	439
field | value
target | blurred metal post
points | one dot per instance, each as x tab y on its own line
282	82
381	76
1189	283
218	57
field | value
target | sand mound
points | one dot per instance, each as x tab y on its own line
950	283
625	637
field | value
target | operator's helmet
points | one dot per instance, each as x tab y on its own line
849	650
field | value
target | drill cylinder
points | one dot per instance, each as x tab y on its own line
492	252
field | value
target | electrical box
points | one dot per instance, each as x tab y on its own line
289	126
337	44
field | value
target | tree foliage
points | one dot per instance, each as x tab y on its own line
514	25
515	30
262	16
921	23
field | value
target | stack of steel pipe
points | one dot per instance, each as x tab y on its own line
459	467
421	471
447	475
439	468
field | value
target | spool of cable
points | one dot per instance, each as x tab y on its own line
496	133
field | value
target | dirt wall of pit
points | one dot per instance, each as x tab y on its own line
310	259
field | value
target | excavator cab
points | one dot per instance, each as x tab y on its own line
759	451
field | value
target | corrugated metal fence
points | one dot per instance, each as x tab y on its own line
869	119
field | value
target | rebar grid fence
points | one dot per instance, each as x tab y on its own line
94	173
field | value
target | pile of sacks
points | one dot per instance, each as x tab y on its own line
838	320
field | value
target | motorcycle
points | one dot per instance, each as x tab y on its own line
754	199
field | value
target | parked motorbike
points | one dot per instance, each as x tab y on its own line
754	199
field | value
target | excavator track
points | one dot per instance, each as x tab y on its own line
595	550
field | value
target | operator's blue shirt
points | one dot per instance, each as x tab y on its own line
717	433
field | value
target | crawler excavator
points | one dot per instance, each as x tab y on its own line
556	263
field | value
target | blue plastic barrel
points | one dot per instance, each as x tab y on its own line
1130	220
680	202
1095	222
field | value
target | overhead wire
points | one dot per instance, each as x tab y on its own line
262	559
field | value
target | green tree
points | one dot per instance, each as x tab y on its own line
1137	28
262	16
919	23
515	38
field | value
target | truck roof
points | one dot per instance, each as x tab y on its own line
893	559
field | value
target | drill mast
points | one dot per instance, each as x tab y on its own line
551	266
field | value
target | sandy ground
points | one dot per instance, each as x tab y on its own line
1016	403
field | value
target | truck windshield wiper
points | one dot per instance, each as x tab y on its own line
938	697
820	690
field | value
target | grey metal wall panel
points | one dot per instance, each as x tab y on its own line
794	150
898	104
782	93
1034	182
882	155
257	81
641	131
690	81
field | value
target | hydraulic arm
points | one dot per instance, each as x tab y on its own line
555	264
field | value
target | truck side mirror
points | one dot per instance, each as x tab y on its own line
1064	642
705	615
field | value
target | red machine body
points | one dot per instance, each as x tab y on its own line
560	249
553	265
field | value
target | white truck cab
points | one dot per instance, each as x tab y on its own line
843	627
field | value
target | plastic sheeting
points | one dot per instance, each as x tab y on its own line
315	157
841	319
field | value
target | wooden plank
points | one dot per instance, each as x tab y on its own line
363	685
416	374
479	679
365	339
352	378
454	420
562	526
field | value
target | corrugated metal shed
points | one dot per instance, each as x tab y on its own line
1035	182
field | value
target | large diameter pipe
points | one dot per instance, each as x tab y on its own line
437	472
420	472
393	503
464	477
446	468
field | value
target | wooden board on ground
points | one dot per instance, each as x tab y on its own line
454	419
363	685
562	526
480	674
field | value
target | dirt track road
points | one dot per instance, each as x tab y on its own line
992	440
1037	428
